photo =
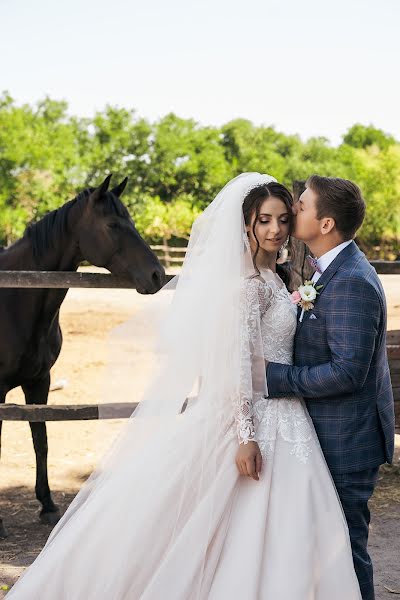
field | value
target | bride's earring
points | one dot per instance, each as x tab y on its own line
283	248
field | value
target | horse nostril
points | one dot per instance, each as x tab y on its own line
158	278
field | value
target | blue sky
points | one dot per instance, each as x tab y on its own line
307	66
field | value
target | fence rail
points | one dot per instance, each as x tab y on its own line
386	267
67	279
164	253
39	413
382	267
64	279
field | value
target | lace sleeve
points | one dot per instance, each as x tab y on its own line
255	301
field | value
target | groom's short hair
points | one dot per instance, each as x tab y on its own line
341	200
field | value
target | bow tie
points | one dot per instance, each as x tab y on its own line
314	263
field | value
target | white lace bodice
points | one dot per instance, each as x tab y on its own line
259	418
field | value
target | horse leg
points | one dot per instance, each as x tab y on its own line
2	401
37	393
3	533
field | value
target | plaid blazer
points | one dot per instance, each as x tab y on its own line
341	368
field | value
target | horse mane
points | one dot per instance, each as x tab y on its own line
54	226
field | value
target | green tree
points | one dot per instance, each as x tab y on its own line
362	136
260	149
160	221
38	160
176	167
185	158
378	175
115	141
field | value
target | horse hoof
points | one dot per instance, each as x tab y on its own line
50	518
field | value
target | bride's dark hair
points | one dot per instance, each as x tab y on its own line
252	204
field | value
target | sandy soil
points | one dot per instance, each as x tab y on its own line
87	317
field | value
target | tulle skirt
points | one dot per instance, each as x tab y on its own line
283	537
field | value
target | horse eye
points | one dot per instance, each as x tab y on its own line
113	225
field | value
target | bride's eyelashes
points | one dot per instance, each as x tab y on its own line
284	221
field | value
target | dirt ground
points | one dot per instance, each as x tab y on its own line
87	316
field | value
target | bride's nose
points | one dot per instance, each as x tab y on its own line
275	227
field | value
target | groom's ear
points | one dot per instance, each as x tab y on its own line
327	225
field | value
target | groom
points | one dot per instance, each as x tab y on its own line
340	362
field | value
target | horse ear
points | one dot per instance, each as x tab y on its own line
120	187
99	191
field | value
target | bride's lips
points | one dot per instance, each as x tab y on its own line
277	241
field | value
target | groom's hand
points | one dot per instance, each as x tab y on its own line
249	460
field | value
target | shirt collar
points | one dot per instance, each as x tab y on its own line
325	260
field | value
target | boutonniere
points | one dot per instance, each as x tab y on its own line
305	295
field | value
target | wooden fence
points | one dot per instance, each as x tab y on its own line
57	279
382	267
393	350
164	252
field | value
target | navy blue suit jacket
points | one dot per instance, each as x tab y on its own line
341	368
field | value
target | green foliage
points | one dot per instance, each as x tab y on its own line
186	159
160	221
175	166
361	136
39	161
379	175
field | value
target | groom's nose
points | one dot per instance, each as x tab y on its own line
294	209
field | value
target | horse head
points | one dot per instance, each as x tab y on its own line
108	238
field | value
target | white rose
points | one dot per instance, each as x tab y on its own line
307	292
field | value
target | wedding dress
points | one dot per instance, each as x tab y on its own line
150	531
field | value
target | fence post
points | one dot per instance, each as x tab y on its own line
301	270
167	256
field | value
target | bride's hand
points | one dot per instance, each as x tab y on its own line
249	460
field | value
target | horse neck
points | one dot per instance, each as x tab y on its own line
63	256
19	257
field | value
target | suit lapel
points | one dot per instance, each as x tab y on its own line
347	253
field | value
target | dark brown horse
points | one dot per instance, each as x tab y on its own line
96	227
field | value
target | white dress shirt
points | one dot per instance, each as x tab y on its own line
325	260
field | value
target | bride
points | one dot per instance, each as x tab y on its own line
230	498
